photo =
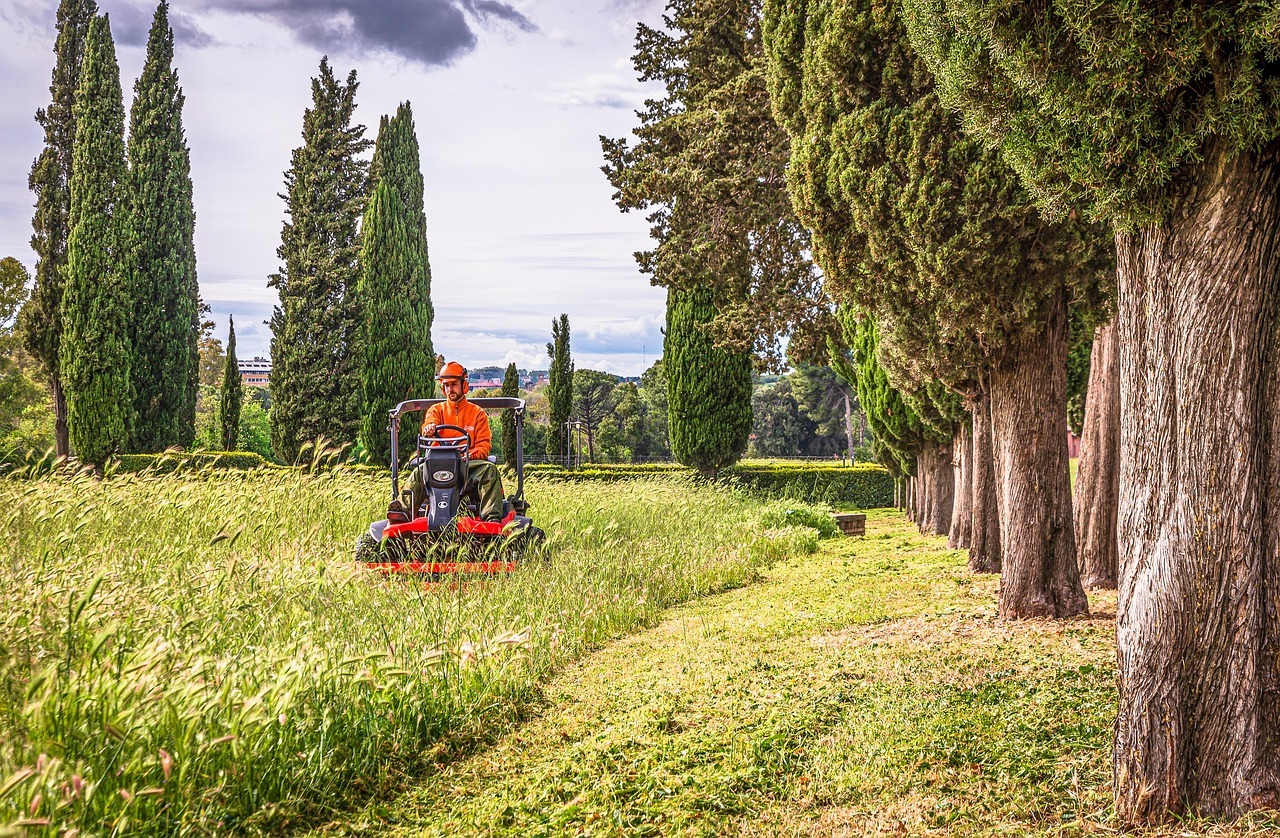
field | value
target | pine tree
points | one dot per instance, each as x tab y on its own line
510	389
51	181
1163	118
709	389
315	376
96	306
395	287
166	317
232	393
559	387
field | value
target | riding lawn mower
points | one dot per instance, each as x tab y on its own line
442	534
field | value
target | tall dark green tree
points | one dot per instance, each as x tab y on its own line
559	387
166	295
934	236
51	181
232	393
395	287
708	163
96	303
708	388
510	389
315	376
1164	117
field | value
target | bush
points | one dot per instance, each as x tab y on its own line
801	516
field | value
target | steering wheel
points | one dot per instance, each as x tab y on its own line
463	442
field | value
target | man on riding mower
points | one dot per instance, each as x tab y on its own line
456	410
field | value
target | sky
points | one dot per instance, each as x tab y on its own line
509	100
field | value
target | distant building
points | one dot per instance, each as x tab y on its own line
255	372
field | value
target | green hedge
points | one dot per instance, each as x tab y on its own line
865	486
167	463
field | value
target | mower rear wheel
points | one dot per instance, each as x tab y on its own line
367	549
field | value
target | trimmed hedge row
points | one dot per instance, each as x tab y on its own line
865	485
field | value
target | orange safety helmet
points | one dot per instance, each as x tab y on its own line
454	370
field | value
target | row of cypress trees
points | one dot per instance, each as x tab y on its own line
114	315
351	336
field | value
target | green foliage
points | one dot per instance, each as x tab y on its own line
863	486
507	423
395	288
559	387
96	304
232	394
710	149
653	393
778	428
924	228
255	430
1116	134
164	291
315	376
802	516
709	389
50	180
26	420
592	403
215	621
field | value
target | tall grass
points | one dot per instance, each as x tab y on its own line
199	654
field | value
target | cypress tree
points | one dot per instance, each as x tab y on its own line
166	316
50	179
395	287
232	393
315	376
934	235
708	162
510	389
708	389
559	387
96	306
1163	118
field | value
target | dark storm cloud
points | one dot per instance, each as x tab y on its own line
130	21
433	32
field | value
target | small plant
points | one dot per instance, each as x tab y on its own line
801	516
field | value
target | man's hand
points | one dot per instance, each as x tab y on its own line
429	430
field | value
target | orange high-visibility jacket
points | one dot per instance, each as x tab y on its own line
465	415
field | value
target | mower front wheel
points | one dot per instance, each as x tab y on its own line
367	549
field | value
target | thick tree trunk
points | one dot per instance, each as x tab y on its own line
1198	623
1039	576
1097	490
937	489
61	436
961	530
984	547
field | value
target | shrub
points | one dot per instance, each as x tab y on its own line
862	486
169	462
801	516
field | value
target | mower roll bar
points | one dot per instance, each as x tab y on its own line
490	403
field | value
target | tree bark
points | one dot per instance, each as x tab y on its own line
1198	622
937	488
984	547
1039	576
961	529
61	435
1098	476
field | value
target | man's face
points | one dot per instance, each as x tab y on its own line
452	388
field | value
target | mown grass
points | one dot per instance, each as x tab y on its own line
867	689
198	654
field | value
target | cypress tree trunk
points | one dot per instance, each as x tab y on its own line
961	529
984	547
937	488
1098	477
1039	577
1198	623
